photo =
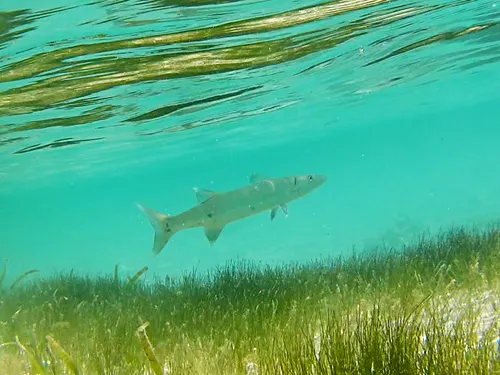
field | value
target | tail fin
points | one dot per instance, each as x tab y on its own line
160	223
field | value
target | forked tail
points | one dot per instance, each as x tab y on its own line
162	227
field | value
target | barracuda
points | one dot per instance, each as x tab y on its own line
217	209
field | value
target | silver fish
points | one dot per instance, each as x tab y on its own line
217	209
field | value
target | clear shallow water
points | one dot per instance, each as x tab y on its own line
107	103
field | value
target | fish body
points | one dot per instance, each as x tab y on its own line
217	209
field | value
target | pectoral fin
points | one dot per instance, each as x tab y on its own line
274	211
212	234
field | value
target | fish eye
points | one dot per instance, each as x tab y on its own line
310	177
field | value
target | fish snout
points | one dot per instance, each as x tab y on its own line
320	179
313	181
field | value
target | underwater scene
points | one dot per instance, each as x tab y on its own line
215	187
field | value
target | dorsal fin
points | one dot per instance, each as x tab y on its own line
203	195
255	178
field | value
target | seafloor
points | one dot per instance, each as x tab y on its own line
429	308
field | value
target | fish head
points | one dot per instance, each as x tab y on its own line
305	184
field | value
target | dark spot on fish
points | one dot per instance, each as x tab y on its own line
167	228
210	215
295	180
252	208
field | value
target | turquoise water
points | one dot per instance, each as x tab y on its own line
105	104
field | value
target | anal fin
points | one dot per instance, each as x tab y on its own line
213	233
